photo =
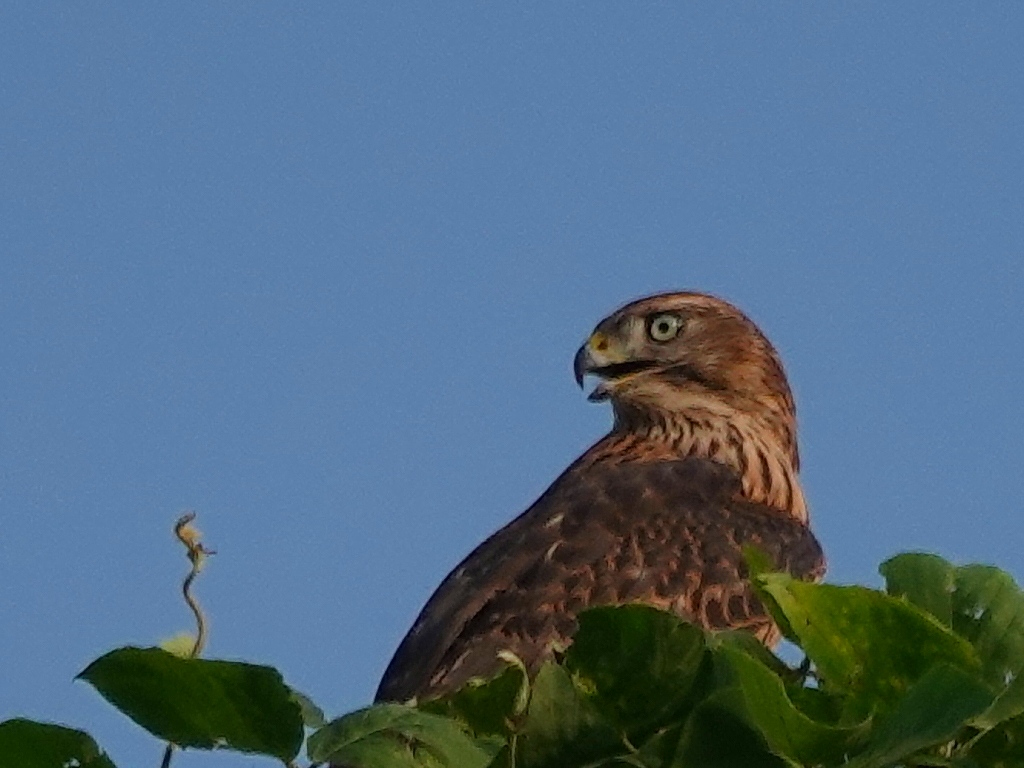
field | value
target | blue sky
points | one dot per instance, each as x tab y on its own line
319	272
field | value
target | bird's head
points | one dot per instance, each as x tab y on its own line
677	352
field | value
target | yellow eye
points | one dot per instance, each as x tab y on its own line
664	327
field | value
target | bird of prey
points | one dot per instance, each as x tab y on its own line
701	459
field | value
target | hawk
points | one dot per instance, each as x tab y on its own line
701	459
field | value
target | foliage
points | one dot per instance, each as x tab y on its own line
926	673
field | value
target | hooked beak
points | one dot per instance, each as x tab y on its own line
582	364
604	357
595	357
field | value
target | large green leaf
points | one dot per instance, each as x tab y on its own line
925	580
28	744
638	663
988	609
715	737
562	726
866	645
764	704
982	604
933	711
398	736
201	703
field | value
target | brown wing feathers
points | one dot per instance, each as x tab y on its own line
664	533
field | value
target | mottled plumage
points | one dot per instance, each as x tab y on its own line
702	458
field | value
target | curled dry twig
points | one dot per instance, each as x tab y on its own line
189	536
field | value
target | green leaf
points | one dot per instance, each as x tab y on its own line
312	715
737	638
931	713
29	744
758	561
387	735
981	603
1001	747
659	750
988	610
641	664
201	703
714	737
503	759
788	731
867	645
486	706
925	580
1008	705
562	727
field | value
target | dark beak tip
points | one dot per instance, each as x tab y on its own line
579	366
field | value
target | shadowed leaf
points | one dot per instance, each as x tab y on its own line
641	664
201	703
562	727
28	744
1001	747
788	731
660	749
486	706
714	737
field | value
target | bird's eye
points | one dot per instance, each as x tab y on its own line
664	327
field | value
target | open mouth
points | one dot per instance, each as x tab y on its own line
619	370
613	372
